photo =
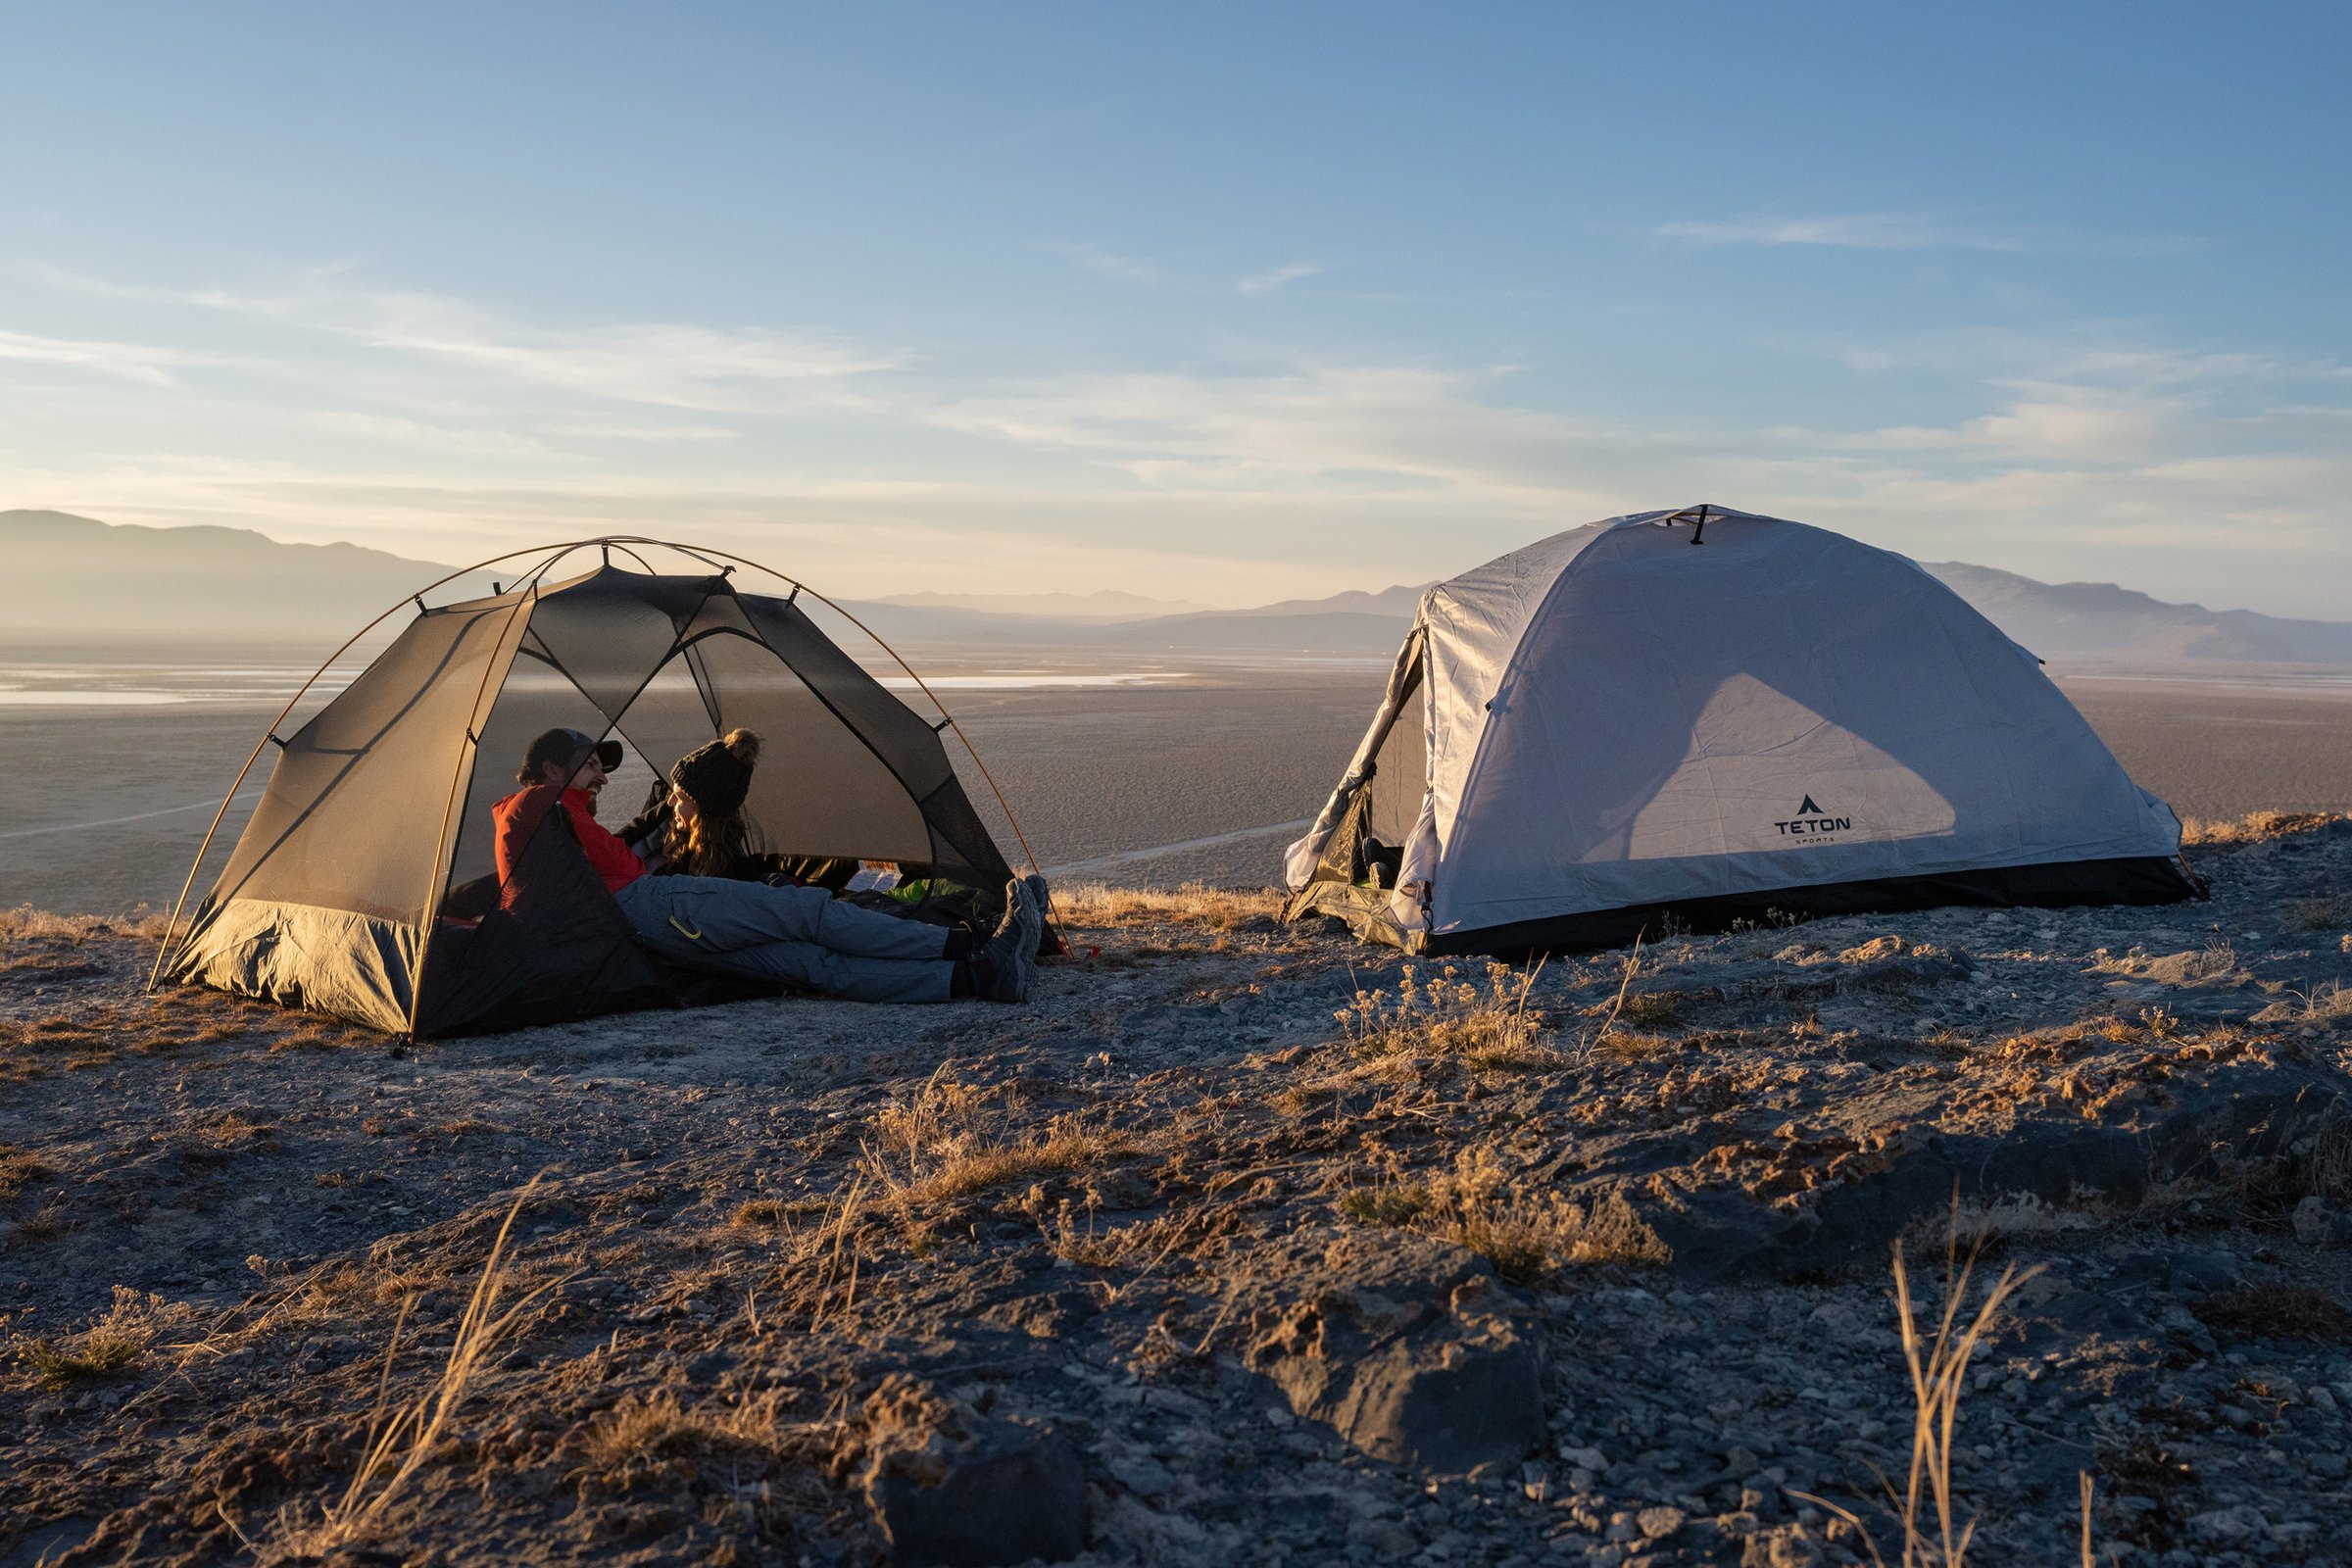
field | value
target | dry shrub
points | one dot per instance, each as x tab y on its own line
953	1139
2277	1311
653	1428
1655	1009
2332	912
1090	1245
20	1170
114	1345
744	1465
1193	904
767	1213
1477	1206
1490	1026
2253	827
24	924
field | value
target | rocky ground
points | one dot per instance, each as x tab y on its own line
1240	1245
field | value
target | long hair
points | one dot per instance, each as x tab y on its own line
715	842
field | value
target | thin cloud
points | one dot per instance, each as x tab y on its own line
1920	231
1109	263
131	362
1258	284
669	363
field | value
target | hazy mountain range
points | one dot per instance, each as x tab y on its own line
1103	603
61	574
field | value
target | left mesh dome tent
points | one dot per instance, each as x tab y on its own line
364	885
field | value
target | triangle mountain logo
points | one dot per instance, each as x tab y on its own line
1808	809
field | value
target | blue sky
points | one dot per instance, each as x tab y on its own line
1218	303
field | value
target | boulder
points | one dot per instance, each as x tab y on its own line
1424	1367
993	1492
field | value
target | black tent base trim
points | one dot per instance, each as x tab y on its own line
2065	884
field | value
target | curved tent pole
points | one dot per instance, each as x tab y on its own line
439	874
178	904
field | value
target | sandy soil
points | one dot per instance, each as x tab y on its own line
1587	1267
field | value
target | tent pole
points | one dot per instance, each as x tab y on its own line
164	950
458	774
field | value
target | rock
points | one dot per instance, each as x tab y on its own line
2206	1273
1142	1474
1863	1189
2244	1522
1429	1370
1384	1536
1005	1493
2318	1225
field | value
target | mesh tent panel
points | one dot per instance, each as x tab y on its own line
1402	776
357	799
820	789
909	747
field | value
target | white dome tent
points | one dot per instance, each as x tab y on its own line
1711	715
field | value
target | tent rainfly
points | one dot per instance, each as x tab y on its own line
1705	716
364	884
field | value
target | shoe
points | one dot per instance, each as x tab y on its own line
1035	882
1011	954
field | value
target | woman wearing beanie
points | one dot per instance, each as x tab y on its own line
697	828
757	931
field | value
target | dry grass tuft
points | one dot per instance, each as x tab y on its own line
740	1465
953	1139
1477	1206
2253	827
402	1445
1488	1026
1938	1368
1218	908
20	1170
24	924
113	1347
658	1427
2332	912
2277	1311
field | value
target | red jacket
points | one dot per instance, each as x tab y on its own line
520	814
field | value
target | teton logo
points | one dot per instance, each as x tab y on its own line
1811	821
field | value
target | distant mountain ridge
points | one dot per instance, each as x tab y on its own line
62	573
2098	621
1103	603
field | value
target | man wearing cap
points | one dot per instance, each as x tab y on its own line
750	930
568	768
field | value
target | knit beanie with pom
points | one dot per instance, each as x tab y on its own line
719	776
